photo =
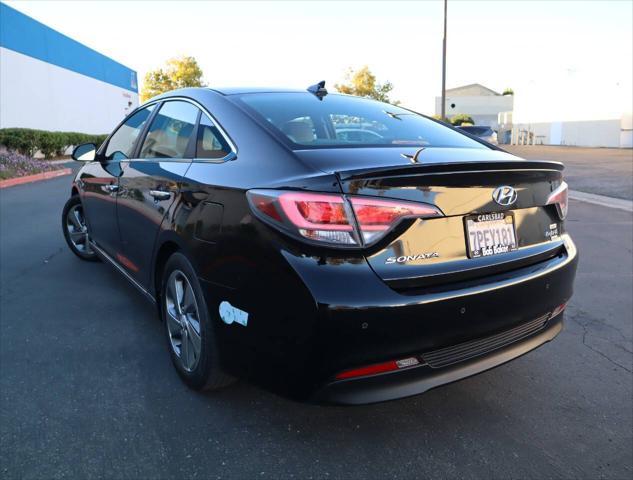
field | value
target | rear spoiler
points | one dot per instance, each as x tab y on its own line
450	167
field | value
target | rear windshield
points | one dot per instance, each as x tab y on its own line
341	120
481	131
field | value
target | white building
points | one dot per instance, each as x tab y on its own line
481	103
614	132
578	107
49	81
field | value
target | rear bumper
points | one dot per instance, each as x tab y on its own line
337	315
416	380
363	322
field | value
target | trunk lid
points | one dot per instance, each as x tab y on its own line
460	182
332	160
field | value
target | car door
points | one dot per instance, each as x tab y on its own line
100	181
149	183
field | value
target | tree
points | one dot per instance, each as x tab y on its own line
179	72
362	83
462	119
508	91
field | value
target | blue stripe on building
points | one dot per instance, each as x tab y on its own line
25	35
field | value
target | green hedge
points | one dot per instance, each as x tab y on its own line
28	141
461	118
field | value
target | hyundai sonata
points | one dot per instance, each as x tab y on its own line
327	247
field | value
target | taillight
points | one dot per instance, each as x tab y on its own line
559	197
331	218
316	216
375	217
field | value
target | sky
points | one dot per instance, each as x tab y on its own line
565	60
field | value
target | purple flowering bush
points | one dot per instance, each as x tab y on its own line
13	164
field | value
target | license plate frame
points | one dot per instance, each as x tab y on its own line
496	222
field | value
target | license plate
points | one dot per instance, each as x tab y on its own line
490	234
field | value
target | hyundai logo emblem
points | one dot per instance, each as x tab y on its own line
504	195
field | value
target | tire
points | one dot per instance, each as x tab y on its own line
75	230
199	367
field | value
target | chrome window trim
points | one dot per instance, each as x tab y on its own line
230	156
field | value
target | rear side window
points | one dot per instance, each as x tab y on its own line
121	144
210	143
346	121
170	131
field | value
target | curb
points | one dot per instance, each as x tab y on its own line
34	178
602	200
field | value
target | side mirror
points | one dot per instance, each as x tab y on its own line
86	152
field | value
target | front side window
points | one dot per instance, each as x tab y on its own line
346	121
121	144
170	131
210	142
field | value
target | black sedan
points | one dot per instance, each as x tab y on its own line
327	247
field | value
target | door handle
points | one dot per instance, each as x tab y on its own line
160	195
111	188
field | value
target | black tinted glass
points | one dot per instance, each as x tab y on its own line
210	143
169	133
121	144
340	120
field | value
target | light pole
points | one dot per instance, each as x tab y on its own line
444	64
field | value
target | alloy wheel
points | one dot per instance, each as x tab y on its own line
183	320
78	230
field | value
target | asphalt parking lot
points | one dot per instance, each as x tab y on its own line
87	389
602	171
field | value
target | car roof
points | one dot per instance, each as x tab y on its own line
242	90
197	92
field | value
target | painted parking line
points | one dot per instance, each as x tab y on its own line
602	200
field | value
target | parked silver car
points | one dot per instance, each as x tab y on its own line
481	131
